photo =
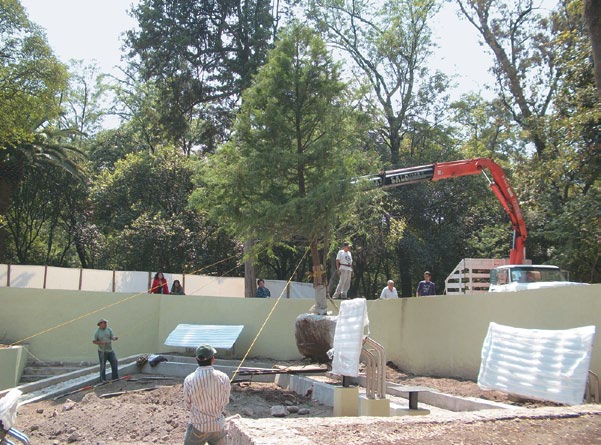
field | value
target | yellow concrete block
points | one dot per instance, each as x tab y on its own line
374	407
346	401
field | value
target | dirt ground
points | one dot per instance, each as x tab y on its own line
148	410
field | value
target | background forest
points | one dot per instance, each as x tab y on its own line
244	124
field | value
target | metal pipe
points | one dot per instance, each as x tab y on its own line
369	372
380	366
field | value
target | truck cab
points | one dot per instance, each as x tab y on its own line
519	277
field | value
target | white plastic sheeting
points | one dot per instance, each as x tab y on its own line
348	337
8	408
534	363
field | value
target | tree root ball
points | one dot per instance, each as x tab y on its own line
315	336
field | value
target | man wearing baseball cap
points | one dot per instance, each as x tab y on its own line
103	337
206	392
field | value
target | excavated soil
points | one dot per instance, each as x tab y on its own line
149	410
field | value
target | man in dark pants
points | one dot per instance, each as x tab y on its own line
103	337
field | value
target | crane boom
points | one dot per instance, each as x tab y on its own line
445	170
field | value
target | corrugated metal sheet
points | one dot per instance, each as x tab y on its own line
194	335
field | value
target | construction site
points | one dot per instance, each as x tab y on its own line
425	387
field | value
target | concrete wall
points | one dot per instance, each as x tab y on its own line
443	336
12	363
440	336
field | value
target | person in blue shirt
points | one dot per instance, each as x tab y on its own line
426	288
262	291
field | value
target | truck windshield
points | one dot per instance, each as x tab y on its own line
517	274
533	274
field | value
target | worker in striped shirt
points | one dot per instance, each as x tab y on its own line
206	392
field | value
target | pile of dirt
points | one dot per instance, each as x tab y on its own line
145	409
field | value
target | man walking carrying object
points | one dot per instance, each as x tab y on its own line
206	393
103	337
344	266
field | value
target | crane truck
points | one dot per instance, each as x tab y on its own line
515	276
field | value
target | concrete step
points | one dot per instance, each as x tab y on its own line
49	370
43	370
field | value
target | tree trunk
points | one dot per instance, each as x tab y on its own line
592	16
6	190
316	263
250	271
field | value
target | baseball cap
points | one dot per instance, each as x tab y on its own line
205	352
102	320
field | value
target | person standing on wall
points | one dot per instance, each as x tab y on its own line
206	393
389	291
344	267
262	291
426	288
159	284
103	338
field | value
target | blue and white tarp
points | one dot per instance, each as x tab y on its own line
541	364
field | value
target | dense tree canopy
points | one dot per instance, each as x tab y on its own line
286	173
200	55
235	133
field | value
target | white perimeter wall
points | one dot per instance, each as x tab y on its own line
48	277
438	336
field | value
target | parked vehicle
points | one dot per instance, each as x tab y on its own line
513	278
505	278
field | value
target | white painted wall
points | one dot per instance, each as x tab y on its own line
438	336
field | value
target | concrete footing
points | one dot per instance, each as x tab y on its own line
374	407
346	401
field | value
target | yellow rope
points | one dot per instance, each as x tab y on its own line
108	306
267	318
78	318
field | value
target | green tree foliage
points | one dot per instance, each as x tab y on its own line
140	206
592	14
546	82
200	55
43	220
286	173
520	38
30	78
389	46
83	103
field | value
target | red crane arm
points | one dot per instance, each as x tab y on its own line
445	170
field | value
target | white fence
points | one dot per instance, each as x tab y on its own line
48	277
472	276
